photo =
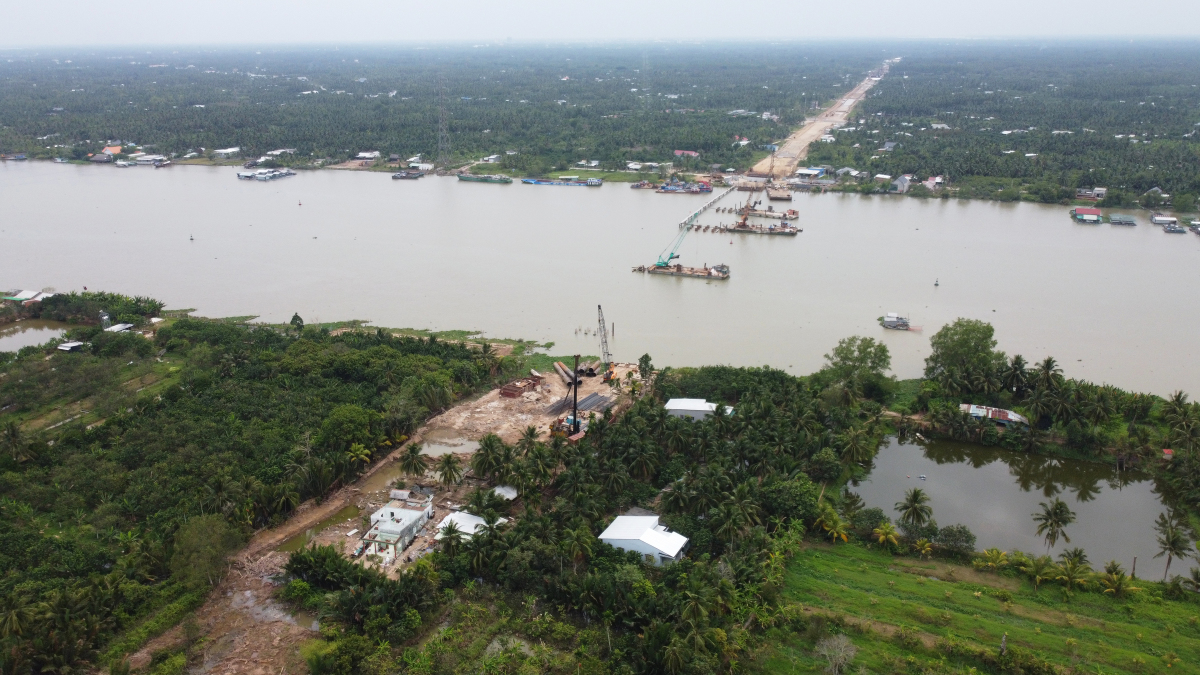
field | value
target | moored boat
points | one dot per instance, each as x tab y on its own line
484	178
591	182
644	185
408	175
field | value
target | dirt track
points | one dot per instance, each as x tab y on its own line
794	149
247	631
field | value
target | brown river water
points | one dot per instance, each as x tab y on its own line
1110	303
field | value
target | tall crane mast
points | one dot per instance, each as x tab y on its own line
604	353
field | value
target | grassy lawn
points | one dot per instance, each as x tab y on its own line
900	612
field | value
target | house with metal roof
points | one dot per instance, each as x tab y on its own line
393	528
1000	416
695	408
645	535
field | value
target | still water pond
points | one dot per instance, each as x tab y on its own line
996	492
1110	303
30	332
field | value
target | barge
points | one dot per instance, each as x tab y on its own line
1117	219
644	185
408	175
265	174
486	178
591	182
778	193
716	272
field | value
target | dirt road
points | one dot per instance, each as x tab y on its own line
795	148
248	631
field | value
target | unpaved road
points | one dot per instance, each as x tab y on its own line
247	631
795	148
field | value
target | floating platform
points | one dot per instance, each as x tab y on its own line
781	229
758	213
777	194
716	272
1117	219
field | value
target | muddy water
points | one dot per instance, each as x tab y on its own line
1110	303
995	493
14	336
298	542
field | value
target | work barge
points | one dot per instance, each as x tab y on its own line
716	272
664	265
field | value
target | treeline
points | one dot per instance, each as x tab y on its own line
1131	110
556	104
133	506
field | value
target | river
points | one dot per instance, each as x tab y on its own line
996	492
534	261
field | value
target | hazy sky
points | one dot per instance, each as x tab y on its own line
260	22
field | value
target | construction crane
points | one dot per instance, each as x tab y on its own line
609	369
670	253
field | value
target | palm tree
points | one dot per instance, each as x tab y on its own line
1038	569
451	539
1047	375
993	560
358	454
449	470
886	534
1073	574
1053	520
923	548
1016	376
13	442
577	544
488	458
412	462
1115	581
833	524
914	510
1173	542
856	447
529	439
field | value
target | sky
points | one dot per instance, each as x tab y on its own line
296	22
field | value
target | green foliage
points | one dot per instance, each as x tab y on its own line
201	547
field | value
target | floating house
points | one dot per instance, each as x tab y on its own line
1086	215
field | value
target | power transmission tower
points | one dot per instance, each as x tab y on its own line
443	156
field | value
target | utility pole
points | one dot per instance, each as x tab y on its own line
575	403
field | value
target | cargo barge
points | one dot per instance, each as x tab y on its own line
591	182
486	178
408	175
779	193
716	272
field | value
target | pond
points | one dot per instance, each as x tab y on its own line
996	492
30	332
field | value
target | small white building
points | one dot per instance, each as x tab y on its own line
373	154
227	152
467	523
394	527
695	408
644	535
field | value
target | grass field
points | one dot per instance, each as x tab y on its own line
902	613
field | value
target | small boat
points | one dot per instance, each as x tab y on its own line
1172	228
893	321
644	185
488	178
122	164
1117	219
165	162
922	476
60	160
408	175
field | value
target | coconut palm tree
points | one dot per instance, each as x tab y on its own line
1038	569
1048	375
529	439
577	544
1016	376
1173	541
886	534
449	470
914	510
1073	574
13	442
1116	583
1053	520
856	446
358	454
452	538
412	462
923	548
487	459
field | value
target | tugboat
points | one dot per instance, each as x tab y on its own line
893	321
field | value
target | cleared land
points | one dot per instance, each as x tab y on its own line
794	149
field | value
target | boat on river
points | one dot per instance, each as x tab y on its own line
893	321
1162	219
484	178
716	272
1117	219
644	185
411	174
265	174
591	182
685	188
1172	228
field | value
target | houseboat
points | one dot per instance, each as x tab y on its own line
1117	219
1161	219
1087	215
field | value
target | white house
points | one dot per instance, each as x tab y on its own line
227	152
467	523
644	535
394	527
695	408
373	154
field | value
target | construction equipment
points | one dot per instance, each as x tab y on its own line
605	355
